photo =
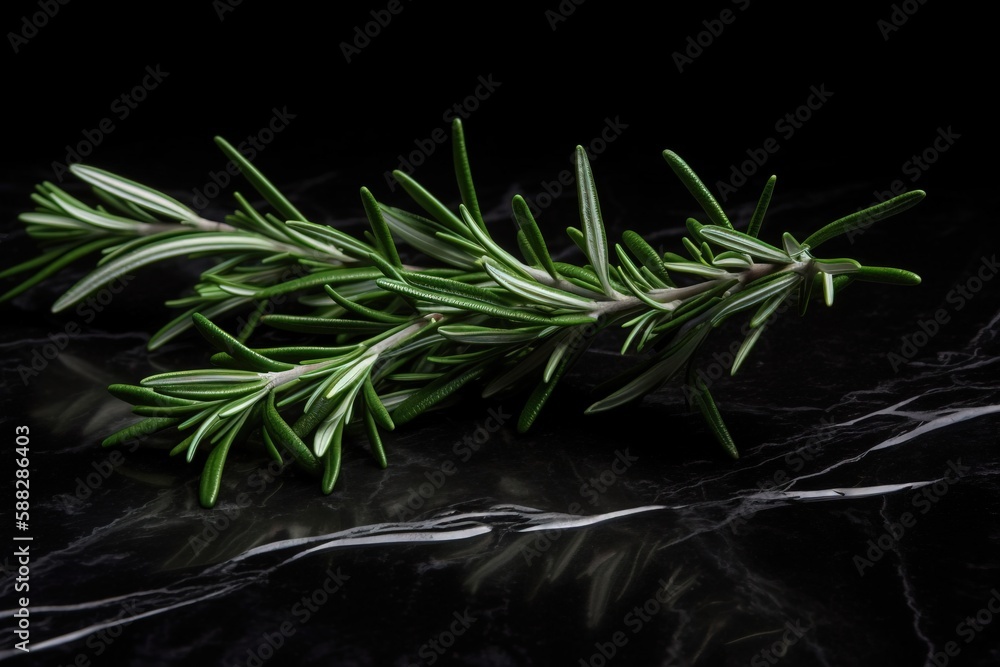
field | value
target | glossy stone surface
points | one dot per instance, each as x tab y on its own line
858	527
860	524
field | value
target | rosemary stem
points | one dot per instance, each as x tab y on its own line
397	338
204	225
564	285
277	379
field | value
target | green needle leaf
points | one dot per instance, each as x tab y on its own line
745	348
283	434
440	298
233	347
364	311
375	407
805	293
133	192
479	335
701	193
697	269
431	204
535	292
887	275
732	261
375	439
334	244
526	223
214	376
272	449
768	307
590	218
492	248
703	399
139	431
693	250
270	193
174	247
426	398
211	476
383	235
136	395
543	390
43	260
753	229
321	325
646	255
827	288
53	262
416	232
862	220
670	362
331	460
836	266
629	268
740	242
464	173
184	321
750	297
208	426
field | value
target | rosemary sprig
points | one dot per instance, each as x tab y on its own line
402	338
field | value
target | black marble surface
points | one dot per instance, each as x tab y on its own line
859	527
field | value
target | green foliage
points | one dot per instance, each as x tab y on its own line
398	338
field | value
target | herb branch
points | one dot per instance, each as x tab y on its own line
401	338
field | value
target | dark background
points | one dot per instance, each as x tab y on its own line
898	75
560	79
229	70
563	71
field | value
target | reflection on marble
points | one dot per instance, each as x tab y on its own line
858	528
